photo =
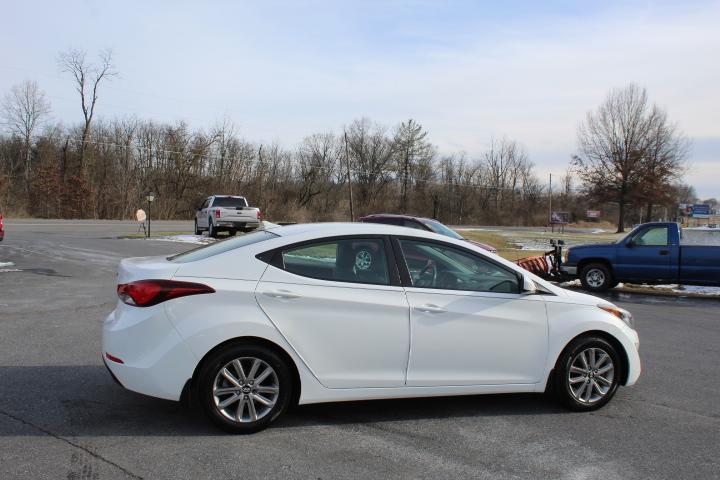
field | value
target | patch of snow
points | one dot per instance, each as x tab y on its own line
195	239
598	230
475	229
571	283
680	289
4	269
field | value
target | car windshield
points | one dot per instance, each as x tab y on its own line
229	202
438	227
232	243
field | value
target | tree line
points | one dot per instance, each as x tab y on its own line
628	153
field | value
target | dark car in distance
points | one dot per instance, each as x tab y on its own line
421	223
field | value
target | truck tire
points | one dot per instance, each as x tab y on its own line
212	233
596	277
197	229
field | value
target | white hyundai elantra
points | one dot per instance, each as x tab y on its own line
332	312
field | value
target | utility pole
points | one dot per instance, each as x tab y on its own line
347	165
552	226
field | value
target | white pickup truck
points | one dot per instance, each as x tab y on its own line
226	213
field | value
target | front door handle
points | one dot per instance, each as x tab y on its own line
664	252
282	294
429	308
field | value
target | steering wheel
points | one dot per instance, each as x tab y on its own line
429	268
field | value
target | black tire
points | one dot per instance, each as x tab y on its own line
212	232
197	229
596	277
232	232
567	393
246	351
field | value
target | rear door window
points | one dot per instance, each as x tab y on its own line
356	260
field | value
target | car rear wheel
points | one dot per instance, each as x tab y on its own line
211	229
243	388
587	374
596	277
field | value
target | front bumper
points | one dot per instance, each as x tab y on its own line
569	269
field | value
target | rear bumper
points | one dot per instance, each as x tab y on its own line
237	224
155	359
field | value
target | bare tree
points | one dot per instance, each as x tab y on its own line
410	149
87	77
24	109
627	149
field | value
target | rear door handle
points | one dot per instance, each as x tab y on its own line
664	252
429	308
282	294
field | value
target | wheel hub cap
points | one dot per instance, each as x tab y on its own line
591	375
246	389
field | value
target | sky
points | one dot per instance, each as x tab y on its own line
468	71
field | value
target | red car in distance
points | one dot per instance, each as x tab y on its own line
421	223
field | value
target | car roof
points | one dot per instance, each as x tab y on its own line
395	215
351	228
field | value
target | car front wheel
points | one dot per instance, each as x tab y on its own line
197	229
587	374
243	388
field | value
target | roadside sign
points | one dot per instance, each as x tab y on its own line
560	217
593	214
701	211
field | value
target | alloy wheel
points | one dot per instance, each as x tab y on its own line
591	375
246	389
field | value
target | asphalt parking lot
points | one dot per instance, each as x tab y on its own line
61	415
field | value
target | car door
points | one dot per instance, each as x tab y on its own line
340	305
470	325
647	255
202	215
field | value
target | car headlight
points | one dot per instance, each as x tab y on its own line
620	313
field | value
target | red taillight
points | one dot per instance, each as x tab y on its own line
260	215
217	213
146	293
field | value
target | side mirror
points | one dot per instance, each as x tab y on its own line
529	287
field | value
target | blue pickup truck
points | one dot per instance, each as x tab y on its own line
652	253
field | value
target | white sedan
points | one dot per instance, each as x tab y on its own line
313	313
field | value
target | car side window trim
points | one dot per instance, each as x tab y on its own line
274	257
405	271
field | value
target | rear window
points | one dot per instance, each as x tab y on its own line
223	246
229	202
